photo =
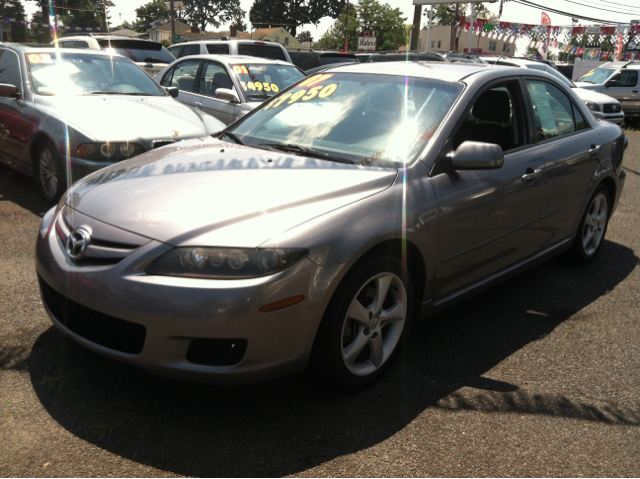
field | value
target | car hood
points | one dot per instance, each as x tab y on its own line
125	118
588	86
209	192
590	95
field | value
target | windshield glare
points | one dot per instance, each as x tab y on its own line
81	74
597	76
261	81
365	119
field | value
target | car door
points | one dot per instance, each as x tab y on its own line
571	152
184	75
214	75
488	219
626	90
14	139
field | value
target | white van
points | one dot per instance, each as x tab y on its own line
271	50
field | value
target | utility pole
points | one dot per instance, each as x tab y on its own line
47	20
454	26
429	28
417	18
346	29
473	19
173	23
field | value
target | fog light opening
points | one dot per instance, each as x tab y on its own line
283	303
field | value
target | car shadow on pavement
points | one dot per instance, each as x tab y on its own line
21	190
292	424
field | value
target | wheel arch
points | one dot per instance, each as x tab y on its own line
610	184
37	140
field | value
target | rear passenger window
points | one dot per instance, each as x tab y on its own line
190	50
175	51
222	49
82	44
183	76
9	68
552	109
262	51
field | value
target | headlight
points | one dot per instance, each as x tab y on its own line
225	263
592	106
109	151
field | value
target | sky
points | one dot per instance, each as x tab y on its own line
512	12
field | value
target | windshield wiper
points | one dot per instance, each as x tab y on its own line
233	137
263	95
117	93
587	81
303	150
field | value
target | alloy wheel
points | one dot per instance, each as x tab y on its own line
374	323
595	224
48	173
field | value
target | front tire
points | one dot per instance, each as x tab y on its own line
50	177
593	226
364	325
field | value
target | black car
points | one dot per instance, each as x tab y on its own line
311	61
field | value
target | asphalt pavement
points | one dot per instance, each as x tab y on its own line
540	376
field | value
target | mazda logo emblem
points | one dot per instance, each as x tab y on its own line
77	243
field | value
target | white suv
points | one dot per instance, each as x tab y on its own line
150	56
252	48
603	107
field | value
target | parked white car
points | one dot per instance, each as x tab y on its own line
603	107
271	50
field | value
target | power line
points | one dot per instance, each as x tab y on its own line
615	3
560	12
600	8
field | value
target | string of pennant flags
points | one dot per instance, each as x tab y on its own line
561	37
83	29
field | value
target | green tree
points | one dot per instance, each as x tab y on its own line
15	11
446	14
239	23
210	12
305	36
290	14
151	11
368	15
81	13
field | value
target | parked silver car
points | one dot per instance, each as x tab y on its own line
228	86
65	113
318	226
620	80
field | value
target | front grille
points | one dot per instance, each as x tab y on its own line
100	328
612	108
217	352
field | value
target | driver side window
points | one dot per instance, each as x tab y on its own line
495	117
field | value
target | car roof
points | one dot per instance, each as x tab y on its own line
232	40
231	59
40	48
633	65
437	70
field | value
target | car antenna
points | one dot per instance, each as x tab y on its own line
499	58
625	65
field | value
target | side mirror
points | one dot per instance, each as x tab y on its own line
227	95
8	91
610	83
174	91
474	155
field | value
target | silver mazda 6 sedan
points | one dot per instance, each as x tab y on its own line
313	230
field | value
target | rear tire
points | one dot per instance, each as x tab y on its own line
364	325
593	226
49	173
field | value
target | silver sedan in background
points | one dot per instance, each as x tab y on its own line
228	86
313	230
65	113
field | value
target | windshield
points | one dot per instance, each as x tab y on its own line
261	81
84	74
364	119
139	51
597	75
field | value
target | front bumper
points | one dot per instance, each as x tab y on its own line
617	118
176	311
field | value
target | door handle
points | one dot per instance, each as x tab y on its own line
594	149
197	103
635	91
532	174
